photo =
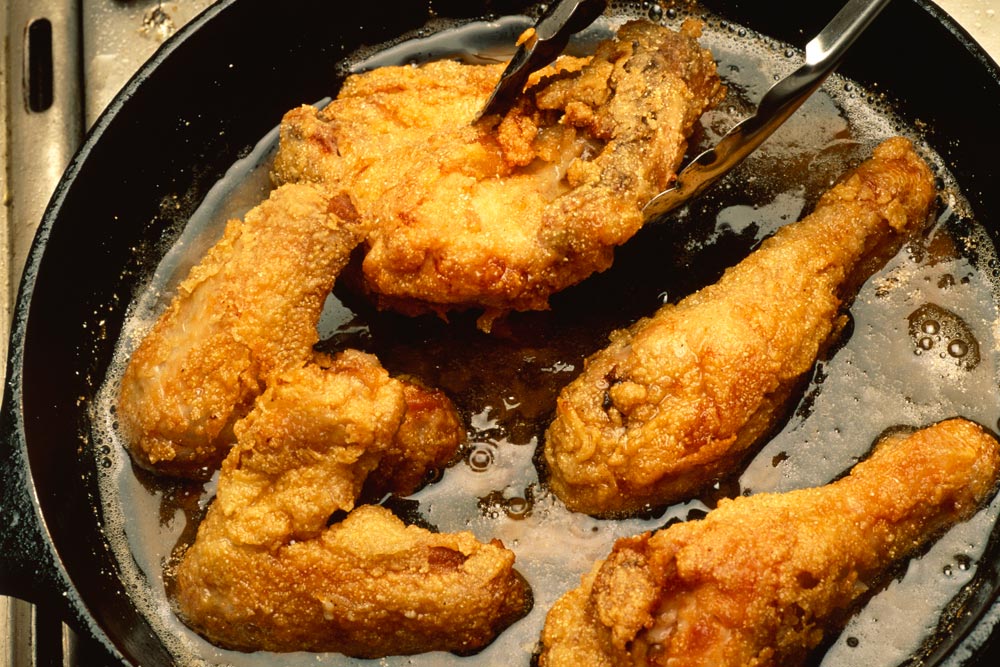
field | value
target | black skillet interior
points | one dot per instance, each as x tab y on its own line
204	100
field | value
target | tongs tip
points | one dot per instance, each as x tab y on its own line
823	54
538	46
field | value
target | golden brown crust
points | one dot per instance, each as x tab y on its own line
501	213
248	310
759	579
266	572
679	398
424	444
366	587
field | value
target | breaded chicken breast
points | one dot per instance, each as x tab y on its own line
760	579
268	571
680	398
500	214
247	311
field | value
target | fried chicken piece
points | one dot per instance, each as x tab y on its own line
502	213
761	578
247	311
425	443
267	572
679	399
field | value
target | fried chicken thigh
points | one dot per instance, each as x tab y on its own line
246	312
267	572
757	582
500	214
679	398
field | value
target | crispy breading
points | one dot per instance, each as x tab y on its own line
247	311
760	579
680	398
267	572
501	213
425	443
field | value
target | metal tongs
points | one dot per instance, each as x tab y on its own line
823	54
540	45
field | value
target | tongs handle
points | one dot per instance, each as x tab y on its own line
540	46
823	54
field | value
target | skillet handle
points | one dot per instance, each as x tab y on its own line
29	566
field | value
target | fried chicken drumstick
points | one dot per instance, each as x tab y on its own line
758	580
245	313
266	572
502	213
678	399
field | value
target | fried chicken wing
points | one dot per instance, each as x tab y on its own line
267	572
247	311
502	213
759	580
425	442
679	398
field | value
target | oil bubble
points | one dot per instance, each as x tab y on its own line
480	457
931	323
517	507
497	503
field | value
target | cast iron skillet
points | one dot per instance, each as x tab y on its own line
206	97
